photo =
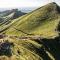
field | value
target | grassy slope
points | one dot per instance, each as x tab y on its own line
45	49
35	49
42	21
8	16
28	50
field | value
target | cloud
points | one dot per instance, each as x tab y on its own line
22	3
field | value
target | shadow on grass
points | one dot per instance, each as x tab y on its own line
5	48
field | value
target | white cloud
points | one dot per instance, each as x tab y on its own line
22	3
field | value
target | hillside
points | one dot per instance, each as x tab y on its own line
33	36
42	21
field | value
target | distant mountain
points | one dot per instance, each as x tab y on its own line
16	13
8	15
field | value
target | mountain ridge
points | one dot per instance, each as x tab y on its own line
33	36
37	19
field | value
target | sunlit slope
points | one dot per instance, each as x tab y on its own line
42	21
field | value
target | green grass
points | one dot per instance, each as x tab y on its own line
42	21
22	50
27	50
32	49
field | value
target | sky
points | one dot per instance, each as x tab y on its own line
25	3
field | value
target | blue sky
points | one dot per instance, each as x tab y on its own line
24	3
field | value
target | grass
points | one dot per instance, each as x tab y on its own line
38	22
22	50
32	49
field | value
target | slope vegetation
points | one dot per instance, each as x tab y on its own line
23	41
12	48
42	21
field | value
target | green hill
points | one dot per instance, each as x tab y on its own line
12	48
42	21
29	37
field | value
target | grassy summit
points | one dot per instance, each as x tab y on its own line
42	21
